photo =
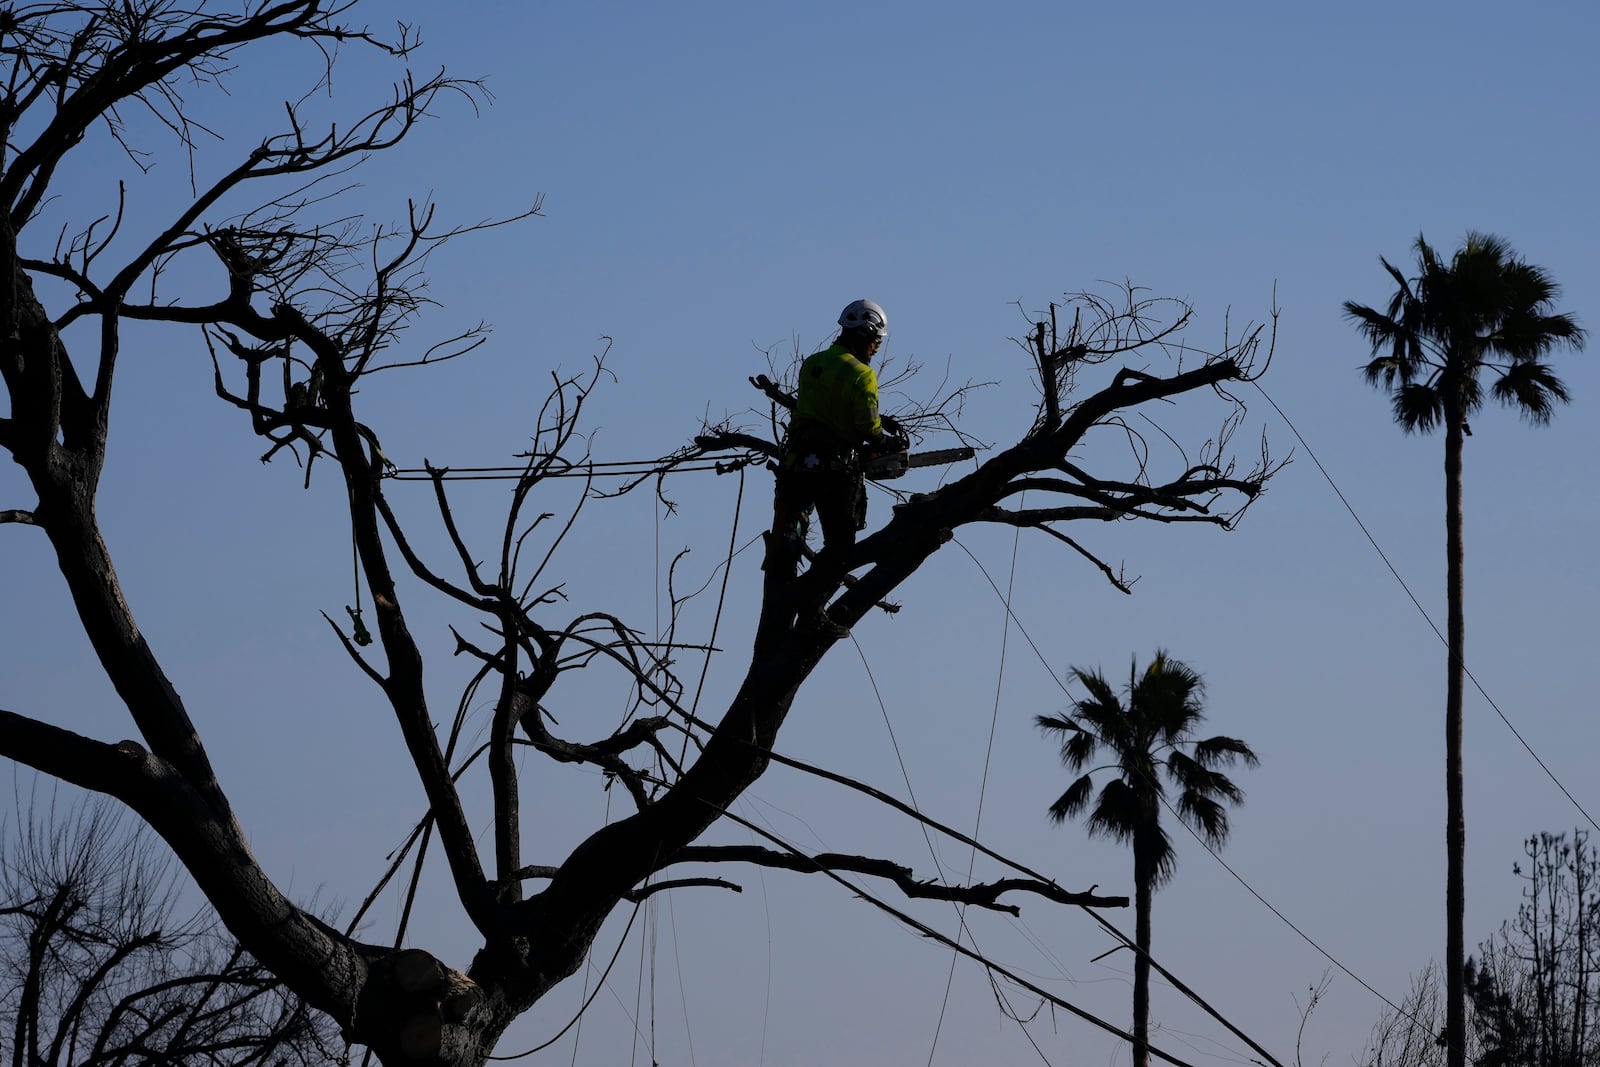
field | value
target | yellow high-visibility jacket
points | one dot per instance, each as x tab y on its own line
837	406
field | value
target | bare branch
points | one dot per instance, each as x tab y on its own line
652	888
980	895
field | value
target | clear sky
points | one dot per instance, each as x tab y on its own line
718	180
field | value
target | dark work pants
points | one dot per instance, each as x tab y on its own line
840	498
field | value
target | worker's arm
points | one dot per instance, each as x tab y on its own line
869	427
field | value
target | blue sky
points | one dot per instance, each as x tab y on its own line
718	181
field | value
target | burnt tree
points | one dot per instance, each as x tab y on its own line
298	313
107	964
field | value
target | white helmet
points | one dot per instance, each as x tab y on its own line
865	315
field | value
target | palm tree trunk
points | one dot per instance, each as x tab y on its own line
1144	878
1455	816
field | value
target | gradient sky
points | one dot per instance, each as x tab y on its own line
720	179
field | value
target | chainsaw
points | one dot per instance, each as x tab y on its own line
890	463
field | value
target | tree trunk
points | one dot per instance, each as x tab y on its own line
1455	817
1144	877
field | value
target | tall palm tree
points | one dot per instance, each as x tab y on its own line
1485	311
1153	732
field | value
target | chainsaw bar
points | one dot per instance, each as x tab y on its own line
939	457
887	466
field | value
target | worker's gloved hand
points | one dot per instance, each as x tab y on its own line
891	425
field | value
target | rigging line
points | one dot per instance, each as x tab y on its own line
1023	630
652	929
884	708
716	620
655	943
656	564
683	995
647	941
583	1008
517	477
949	831
655	589
983	786
1111	927
638	992
1268	904
923	823
629	469
588	963
934	935
766	911
905	809
1418	604
766	1002
652	463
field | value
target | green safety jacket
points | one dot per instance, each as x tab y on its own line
836	410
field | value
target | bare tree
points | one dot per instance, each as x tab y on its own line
303	311
103	963
1411	1034
1533	992
1535	988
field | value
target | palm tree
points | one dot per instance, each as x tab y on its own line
1151	733
1485	310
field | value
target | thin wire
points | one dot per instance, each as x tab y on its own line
652	918
884	708
1102	919
1424	611
625	469
950	831
983	787
683	994
656	585
655	942
716	620
638	992
922	823
577	1038
1306	937
651	464
766	1004
622	941
932	934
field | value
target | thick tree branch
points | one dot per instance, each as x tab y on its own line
323	965
297	300
984	895
989	964
403	684
598	873
1039	516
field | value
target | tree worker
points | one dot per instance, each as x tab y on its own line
835	418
